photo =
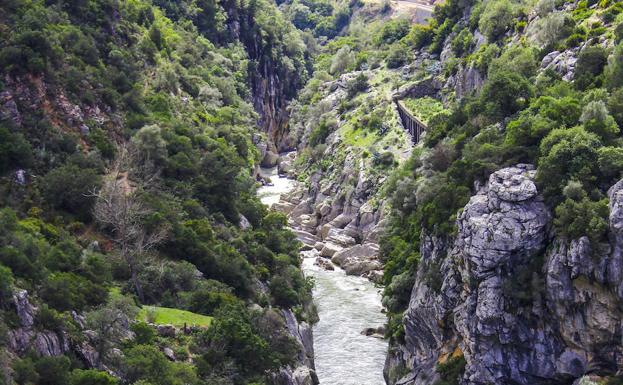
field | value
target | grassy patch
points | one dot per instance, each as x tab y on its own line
424	108
175	317
359	137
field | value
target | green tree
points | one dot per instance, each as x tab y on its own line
505	93
567	154
91	377
497	17
15	151
614	70
69	187
597	119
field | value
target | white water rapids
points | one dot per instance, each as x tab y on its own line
346	305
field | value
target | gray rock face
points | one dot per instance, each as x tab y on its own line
25	311
522	307
465	81
304	373
45	342
561	62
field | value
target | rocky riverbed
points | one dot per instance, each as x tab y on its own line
348	349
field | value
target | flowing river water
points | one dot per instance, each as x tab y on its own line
346	306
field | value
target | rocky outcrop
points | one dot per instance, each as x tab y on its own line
562	63
358	259
466	81
25	338
304	372
520	305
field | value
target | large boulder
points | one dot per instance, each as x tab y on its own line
270	159
358	259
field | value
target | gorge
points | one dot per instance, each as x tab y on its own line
303	192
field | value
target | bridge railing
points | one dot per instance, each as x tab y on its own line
411	124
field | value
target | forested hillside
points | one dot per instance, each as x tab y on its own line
128	141
501	245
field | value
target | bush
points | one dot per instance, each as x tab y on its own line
553	28
15	151
419	36
591	63
68	188
614	70
397	56
566	154
6	286
321	132
451	371
577	218
597	119
69	291
52	370
386	159
209	298
357	85
392	31
505	93
463	42
91	377
343	60
143	333
610	162
147	363
496	19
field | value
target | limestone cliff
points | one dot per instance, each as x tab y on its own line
521	306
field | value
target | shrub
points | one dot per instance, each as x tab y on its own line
591	63
68	188
143	333
577	218
419	36
505	93
451	371
357	85
614	70
69	291
6	286
566	154
463	42
496	19
15	151
610	162
397	56
91	377
343	60
321	132
52	370
618	33
232	336
553	28
282	292
598	120
147	363
386	159
392	31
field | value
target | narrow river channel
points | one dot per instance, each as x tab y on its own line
346	305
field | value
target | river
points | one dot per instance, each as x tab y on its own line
346	305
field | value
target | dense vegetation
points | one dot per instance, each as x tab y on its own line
523	114
126	180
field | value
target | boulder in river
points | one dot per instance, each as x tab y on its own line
324	263
330	249
358	259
